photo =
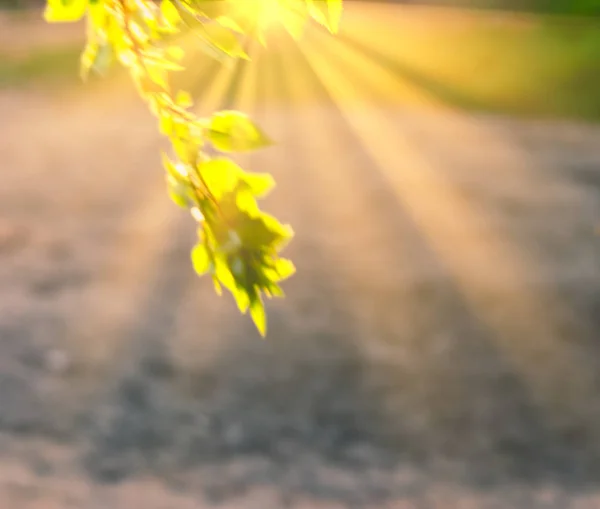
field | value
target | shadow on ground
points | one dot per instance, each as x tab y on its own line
377	379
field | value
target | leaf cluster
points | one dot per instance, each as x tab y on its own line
238	244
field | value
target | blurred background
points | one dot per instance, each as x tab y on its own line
437	348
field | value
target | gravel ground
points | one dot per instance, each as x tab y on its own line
437	348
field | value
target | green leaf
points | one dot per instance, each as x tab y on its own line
104	59
87	59
157	73
181	193
211	9
170	13
318	11
160	62
242	300
246	202
97	15
184	99
179	187
274	290
221	175
224	39
263	231
294	21
238	243
166	125
274	270
64	11
326	12
96	58
177	197
284	268
259	184
232	131
257	312
335	15
176	52
186	143
201	259
223	274
217	286
231	24
177	171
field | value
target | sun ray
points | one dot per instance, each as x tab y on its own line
496	279
129	276
352	234
192	347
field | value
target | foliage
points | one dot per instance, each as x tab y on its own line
238	244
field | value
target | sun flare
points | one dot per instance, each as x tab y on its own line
265	13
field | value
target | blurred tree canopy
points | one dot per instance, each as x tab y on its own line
570	7
20	4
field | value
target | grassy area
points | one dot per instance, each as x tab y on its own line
524	65
54	66
541	68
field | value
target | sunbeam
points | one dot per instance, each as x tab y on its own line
496	278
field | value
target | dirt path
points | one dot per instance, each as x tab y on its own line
438	347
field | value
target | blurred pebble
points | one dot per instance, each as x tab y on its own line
57	361
11	236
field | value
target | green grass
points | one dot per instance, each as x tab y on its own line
525	65
546	68
531	66
56	66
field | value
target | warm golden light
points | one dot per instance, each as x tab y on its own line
438	345
263	13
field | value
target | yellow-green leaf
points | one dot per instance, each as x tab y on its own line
220	174
263	231
238	243
294	20
170	13
241	298
257	312
335	14
180	192
326	12
318	11
224	275
284	268
166	125
96	58
87	59
184	99
223	39
97	15
64	11
259	184
175	52
201	259
232	131
230	23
